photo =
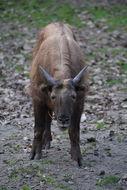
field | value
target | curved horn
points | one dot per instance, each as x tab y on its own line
49	78
79	76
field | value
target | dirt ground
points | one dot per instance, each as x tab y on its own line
103	124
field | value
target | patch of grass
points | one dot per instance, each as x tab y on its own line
108	180
89	147
19	68
64	134
16	148
26	187
100	125
11	34
65	187
10	163
49	161
124	122
120	187
31	170
9	64
38	13
27	57
113	82
21	172
114	17
3	188
11	137
119	138
106	51
48	179
124	66
13	174
108	151
89	164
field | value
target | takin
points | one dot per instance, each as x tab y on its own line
58	86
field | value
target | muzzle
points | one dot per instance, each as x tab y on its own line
63	122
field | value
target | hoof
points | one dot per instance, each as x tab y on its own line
36	156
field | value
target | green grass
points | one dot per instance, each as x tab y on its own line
108	180
19	68
12	137
119	138
3	188
49	161
26	187
89	147
100	125
11	163
65	187
89	164
17	173
38	13
107	51
31	170
113	81
115	17
16	148
13	174
108	151
48	179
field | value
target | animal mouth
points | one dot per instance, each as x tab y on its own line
63	127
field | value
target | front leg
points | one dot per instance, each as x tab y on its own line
47	137
39	114
74	134
75	147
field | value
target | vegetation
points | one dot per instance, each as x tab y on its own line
26	187
114	17
108	180
38	13
100	125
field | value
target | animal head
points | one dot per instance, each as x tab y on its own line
63	95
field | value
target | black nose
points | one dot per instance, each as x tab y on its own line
63	119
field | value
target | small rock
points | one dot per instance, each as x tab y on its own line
124	178
83	118
111	133
124	106
2	152
91	138
70	182
102	172
96	153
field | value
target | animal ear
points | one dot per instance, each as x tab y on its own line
49	78
78	77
